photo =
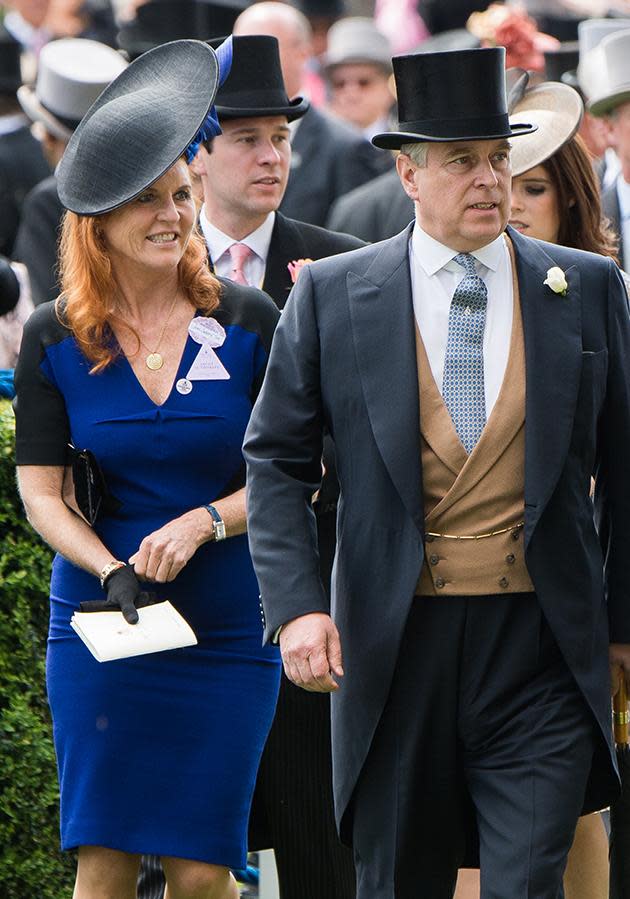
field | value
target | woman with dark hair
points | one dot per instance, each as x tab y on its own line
555	194
152	364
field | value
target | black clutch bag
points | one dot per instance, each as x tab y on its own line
90	490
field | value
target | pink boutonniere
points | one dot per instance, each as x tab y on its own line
296	267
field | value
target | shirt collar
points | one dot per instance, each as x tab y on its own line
433	255
219	243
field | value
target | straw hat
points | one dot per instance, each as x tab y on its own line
557	109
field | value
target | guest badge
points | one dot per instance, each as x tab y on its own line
206	331
207	365
184	386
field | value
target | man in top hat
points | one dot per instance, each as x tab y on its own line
156	22
22	163
328	157
612	102
244	174
358	68
72	73
473	380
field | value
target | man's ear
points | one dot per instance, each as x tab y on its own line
406	169
198	166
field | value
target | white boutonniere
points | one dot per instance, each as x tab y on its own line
556	281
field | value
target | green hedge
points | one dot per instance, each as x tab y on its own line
30	861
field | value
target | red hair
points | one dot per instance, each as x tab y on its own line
85	303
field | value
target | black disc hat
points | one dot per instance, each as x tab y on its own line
157	109
451	96
255	86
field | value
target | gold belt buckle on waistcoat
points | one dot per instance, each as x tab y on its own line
511	527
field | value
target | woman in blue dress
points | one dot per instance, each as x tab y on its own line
152	364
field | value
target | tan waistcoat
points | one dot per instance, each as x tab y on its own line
469	496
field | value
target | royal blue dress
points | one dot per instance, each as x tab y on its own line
156	754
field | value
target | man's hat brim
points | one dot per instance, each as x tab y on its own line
38	113
393	140
601	106
295	110
138	127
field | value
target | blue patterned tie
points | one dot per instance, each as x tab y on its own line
463	385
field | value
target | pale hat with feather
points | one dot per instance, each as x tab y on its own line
556	108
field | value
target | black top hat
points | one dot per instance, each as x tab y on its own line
255	86
449	96
141	125
10	55
159	21
561	61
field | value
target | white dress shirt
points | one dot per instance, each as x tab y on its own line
219	245
434	279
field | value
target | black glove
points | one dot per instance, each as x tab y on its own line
123	595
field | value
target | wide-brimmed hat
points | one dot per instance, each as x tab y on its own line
160	21
451	96
255	86
356	39
71	73
141	125
557	109
10	62
614	88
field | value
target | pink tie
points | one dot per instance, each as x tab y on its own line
239	252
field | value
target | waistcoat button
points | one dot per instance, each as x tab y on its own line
429	538
510	559
516	534
503	582
433	559
439	582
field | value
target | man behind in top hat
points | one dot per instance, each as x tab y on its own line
22	163
612	103
72	73
328	157
473	381
244	174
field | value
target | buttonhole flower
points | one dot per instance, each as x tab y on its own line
556	281
296	267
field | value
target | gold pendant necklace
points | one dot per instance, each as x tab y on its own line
154	360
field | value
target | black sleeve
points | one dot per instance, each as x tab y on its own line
255	311
42	427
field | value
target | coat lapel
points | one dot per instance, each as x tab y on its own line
383	333
286	246
553	358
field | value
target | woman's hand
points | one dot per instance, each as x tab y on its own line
163	553
123	592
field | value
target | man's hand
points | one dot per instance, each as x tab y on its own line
311	652
619	659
